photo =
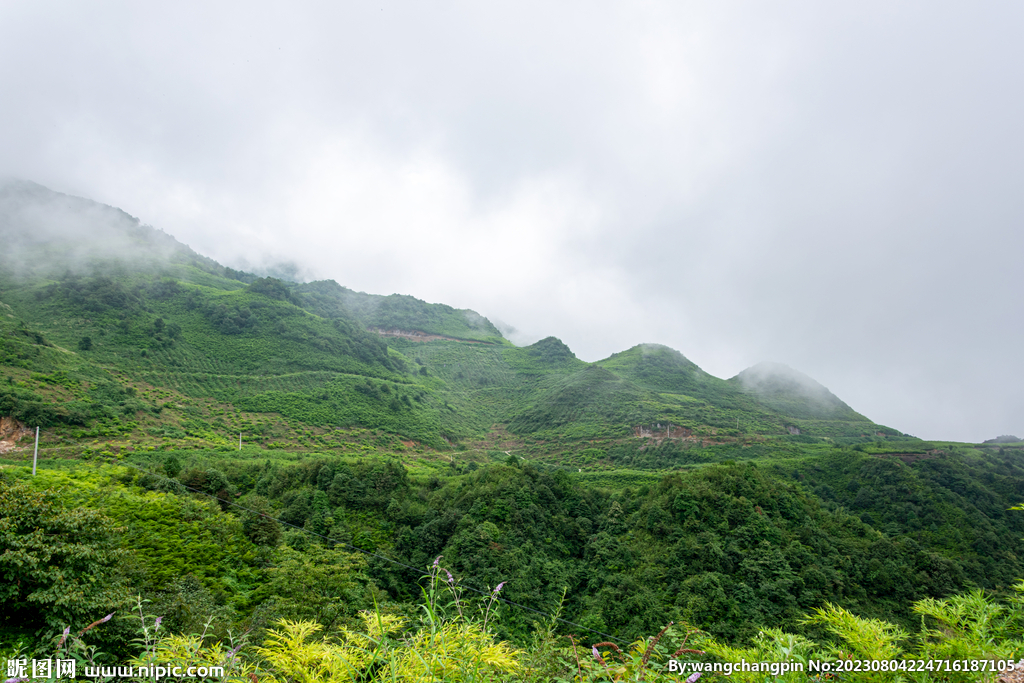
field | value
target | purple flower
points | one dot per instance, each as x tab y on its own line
693	677
156	625
64	636
438	559
96	623
597	656
497	589
451	579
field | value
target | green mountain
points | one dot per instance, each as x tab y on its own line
49	235
111	296
793	393
251	449
395	315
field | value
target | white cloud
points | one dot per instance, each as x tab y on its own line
832	187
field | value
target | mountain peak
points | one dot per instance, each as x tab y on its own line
49	233
551	350
793	393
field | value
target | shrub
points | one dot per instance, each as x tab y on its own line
58	566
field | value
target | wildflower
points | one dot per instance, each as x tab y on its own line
64	636
494	598
693	677
451	579
157	624
436	560
96	623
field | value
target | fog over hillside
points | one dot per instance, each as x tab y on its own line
829	187
76	230
783	387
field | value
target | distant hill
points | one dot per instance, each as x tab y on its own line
396	313
552	352
47	234
1005	438
662	369
105	320
591	399
793	393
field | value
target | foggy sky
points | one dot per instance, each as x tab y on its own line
836	187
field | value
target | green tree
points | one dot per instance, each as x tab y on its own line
327	585
258	524
58	567
321	521
172	466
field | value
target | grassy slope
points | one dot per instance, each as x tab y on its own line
138	305
693	398
792	393
186	354
394	312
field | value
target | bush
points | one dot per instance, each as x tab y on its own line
57	566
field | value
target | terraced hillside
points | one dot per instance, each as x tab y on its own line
93	298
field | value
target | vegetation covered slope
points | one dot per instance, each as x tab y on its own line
731	548
396	313
793	393
251	450
113	293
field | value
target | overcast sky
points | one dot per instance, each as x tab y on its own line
834	186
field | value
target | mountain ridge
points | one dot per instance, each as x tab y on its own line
151	310
634	491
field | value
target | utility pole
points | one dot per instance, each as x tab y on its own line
35	455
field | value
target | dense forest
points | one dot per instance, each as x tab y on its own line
301	482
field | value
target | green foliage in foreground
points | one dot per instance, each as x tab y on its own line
732	548
755	562
966	637
57	565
